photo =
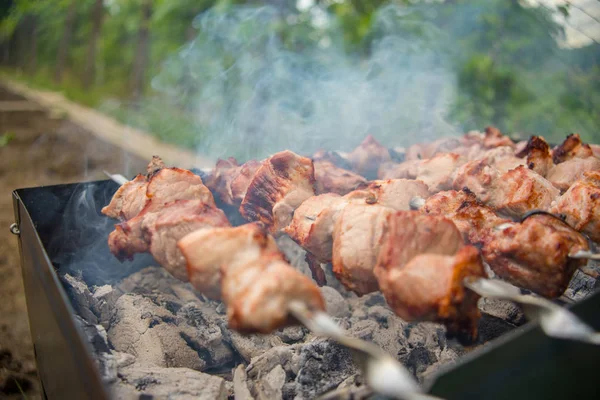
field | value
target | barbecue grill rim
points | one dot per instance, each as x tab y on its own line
63	310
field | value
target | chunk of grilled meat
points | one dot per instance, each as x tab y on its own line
392	193
533	255
571	147
165	186
356	239
472	218
243	267
580	205
174	221
492	137
368	156
229	180
521	190
128	200
313	222
566	173
421	151
333	179
278	187
437	172
538	154
513	193
421	267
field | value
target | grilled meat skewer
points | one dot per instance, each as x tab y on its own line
249	271
534	254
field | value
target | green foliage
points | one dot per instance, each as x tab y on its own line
6	138
508	67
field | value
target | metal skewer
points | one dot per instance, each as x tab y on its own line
416	203
382	373
555	321
118	178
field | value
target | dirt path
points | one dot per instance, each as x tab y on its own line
44	151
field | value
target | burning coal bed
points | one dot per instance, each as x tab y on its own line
154	335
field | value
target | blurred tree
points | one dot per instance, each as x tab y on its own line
65	41
90	66
142	48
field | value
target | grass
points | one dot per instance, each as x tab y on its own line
6	138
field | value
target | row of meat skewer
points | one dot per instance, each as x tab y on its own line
413	229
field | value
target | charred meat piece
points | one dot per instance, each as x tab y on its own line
502	158
494	138
538	155
278	187
333	157
173	222
166	186
430	287
333	179
581	205
567	172
472	218
356	239
571	147
421	268
128	200
521	190
404	170
535	254
313	222
410	233
244	268
229	180
368	156
437	172
421	151
392	193
513	193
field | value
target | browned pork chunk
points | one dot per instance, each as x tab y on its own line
581	205
421	151
535	254
521	190
392	193
421	267
538	155
128	200
566	173
368	156
571	147
313	222
229	180
437	172
472	218
166	186
333	179
278	187
356	238
174	221
244	268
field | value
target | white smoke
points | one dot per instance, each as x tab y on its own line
254	90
